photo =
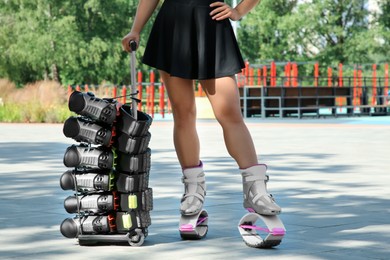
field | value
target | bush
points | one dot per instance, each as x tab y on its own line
6	88
40	102
10	113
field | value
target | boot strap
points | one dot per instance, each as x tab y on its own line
256	178
195	194
193	180
197	180
260	197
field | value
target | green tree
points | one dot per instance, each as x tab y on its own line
71	41
332	31
34	40
79	41
383	25
328	31
261	35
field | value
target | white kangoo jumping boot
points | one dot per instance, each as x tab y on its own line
256	197
194	190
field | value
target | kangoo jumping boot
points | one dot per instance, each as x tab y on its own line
95	203
87	181
72	228
83	130
256	197
194	190
86	104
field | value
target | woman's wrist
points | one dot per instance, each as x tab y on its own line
136	29
236	15
244	7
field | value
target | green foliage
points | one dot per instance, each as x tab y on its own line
33	113
261	35
327	31
383	26
10	113
79	41
73	41
41	102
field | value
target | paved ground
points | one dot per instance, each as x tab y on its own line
331	176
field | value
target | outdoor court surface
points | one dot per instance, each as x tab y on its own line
330	176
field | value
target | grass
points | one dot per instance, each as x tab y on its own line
40	102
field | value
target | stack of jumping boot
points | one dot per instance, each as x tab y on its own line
110	172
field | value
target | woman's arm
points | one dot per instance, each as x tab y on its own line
223	10
144	11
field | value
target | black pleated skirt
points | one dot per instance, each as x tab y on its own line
185	42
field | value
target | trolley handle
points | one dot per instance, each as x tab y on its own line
133	45
134	104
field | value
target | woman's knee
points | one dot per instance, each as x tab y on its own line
184	114
184	108
224	98
228	115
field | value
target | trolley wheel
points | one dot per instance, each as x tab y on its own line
137	239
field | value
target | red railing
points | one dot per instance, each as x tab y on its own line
154	99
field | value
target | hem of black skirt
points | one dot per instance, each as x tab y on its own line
183	76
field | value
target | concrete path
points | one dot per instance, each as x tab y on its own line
331	177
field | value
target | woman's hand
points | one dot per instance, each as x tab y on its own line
223	11
144	11
131	36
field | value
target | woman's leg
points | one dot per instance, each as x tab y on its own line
225	101
182	97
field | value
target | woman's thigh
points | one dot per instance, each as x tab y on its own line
180	92
224	98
